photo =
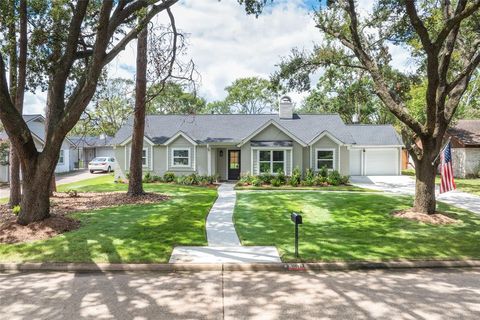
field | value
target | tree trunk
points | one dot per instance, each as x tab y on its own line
35	204
425	173
135	186
15	181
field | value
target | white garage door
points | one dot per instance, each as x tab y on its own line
381	162
355	162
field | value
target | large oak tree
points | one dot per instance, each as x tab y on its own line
83	37
443	38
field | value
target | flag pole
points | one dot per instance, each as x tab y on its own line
441	150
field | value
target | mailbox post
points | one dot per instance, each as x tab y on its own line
296	219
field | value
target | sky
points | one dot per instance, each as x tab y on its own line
227	44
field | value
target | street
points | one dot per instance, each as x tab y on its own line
400	294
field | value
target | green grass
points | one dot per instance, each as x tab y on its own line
129	234
351	226
286	187
465	185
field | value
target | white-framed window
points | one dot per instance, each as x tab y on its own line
180	157
61	157
271	161
325	158
145	157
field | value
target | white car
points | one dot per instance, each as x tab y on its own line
104	164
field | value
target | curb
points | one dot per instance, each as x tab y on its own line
299	267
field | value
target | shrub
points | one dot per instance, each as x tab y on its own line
147	178
323	172
205	180
276	182
266	178
256	182
281	177
309	179
156	178
334	178
16	210
245	180
169	177
319	180
296	177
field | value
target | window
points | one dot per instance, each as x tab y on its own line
61	157
271	161
326	158
181	157
144	157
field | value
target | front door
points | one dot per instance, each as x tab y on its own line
233	164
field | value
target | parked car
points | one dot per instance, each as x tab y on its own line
104	164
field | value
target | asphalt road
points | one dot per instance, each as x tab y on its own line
409	294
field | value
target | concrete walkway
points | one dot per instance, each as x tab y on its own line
223	243
220	228
406	185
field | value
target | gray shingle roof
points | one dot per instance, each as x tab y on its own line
36	127
90	141
233	128
372	135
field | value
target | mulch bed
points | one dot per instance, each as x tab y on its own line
62	205
436	218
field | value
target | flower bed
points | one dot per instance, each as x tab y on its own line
322	178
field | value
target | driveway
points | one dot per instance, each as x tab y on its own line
63	178
401	294
406	185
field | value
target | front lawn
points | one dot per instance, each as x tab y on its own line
131	233
318	188
351	226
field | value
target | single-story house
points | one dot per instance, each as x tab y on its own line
36	124
90	147
232	144
465	138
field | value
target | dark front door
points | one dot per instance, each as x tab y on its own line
233	164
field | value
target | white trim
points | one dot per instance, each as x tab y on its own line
151	158
189	158
209	160
327	134
380	146
226	164
178	134
146	165
311	157
271	149
251	161
167	159
126	157
316	168
63	157
130	139
278	126
194	158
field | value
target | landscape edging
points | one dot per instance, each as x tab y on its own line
179	267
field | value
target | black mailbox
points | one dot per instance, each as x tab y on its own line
296	218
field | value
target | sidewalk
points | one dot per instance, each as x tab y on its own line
223	243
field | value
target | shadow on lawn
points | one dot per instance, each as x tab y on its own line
340	226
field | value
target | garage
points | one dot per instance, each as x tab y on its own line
381	162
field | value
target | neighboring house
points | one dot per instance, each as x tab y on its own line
465	148
229	145
36	124
88	148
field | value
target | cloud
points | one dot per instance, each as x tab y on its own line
226	43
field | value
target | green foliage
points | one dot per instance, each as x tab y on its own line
276	182
16	210
110	109
4	153
245	179
256	182
72	193
169	177
296	177
174	99
309	178
323	172
266	178
247	95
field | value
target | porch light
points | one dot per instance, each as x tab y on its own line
221	153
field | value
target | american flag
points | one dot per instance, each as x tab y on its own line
446	170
